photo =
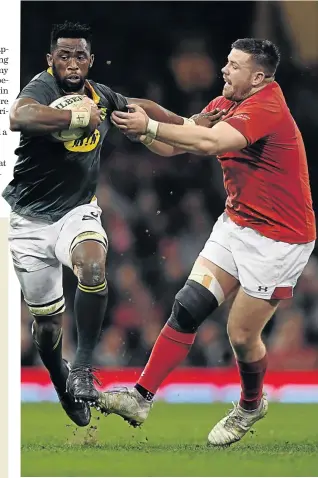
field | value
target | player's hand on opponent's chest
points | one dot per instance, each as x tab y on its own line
208	119
135	121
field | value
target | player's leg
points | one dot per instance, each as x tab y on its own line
40	278
207	287
88	259
268	272
47	337
247	319
82	245
43	293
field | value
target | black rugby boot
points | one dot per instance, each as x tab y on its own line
80	384
79	413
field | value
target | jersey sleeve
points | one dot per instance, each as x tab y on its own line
255	120
39	91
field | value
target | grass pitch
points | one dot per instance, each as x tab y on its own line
171	443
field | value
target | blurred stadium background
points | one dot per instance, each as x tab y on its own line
158	212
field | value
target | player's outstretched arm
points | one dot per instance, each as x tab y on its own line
157	112
196	139
220	139
30	117
162	149
201	119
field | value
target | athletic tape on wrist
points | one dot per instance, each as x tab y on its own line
80	118
152	128
187	121
148	140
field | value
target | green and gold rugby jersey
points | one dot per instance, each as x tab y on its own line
51	178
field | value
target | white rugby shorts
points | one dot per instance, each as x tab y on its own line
265	268
39	248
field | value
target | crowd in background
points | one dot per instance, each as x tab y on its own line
158	212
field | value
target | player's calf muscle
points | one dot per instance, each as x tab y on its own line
47	328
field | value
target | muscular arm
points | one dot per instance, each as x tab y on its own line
163	149
30	117
217	140
167	150
157	112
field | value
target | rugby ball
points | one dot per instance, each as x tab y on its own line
69	102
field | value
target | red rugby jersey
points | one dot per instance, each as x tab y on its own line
267	182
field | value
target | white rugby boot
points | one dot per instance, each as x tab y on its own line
127	403
236	424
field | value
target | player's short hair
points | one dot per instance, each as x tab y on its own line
70	30
264	53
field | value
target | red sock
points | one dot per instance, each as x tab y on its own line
170	349
252	379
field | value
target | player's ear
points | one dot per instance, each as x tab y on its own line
258	78
92	57
49	59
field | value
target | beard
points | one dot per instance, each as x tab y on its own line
228	92
234	94
66	86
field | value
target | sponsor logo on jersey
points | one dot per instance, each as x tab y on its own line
83	145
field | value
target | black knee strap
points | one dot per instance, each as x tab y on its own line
192	305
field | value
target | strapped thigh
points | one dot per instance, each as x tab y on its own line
43	290
88	236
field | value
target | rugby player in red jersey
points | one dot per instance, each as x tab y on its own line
258	247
